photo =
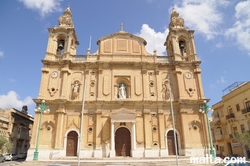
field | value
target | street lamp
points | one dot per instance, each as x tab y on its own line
42	108
205	109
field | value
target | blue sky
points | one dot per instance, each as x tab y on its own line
222	37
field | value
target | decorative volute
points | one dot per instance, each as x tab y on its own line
180	41
66	18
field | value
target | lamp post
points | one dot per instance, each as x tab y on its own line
173	123
42	108
205	109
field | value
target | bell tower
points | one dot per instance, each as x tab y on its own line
180	41
182	54
62	42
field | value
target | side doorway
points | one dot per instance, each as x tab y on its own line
72	141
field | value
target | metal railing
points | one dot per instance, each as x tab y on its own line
229	116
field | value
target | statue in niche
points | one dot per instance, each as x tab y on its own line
75	90
122	92
165	91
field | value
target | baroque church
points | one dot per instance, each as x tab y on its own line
119	100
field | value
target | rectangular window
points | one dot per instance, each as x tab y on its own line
248	106
242	127
234	129
237	107
230	111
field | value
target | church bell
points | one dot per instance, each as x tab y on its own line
61	45
181	44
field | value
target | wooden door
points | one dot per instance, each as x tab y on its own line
171	144
72	139
122	142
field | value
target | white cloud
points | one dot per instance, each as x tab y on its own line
221	80
44	7
155	40
12	100
202	15
1	53
241	28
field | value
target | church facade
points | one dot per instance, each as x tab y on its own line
117	101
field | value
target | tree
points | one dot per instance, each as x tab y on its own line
5	145
243	139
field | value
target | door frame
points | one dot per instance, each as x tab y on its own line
178	139
130	152
65	140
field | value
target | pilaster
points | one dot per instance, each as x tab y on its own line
60	113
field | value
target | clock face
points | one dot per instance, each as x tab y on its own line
188	75
54	74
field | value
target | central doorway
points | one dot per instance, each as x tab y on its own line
72	139
171	143
122	142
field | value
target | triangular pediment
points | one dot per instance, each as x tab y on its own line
122	115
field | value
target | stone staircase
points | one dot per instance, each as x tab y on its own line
119	161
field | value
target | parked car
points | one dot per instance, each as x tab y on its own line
22	155
247	163
2	159
14	157
220	155
10	156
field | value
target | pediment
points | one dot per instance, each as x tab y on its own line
122	43
122	115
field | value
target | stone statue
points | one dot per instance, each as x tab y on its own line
122	94
25	109
75	90
165	91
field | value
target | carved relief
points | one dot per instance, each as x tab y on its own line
138	87
92	83
106	85
73	121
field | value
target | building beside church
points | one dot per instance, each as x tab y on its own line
232	116
127	107
16	126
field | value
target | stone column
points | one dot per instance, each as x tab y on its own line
112	142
